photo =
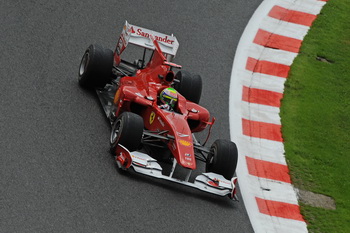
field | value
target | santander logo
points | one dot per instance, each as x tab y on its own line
139	32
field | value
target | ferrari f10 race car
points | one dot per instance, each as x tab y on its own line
145	135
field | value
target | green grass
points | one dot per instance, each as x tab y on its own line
315	116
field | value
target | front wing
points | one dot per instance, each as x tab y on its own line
144	164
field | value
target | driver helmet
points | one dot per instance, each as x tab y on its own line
168	96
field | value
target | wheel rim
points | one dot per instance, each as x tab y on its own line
115	132
83	64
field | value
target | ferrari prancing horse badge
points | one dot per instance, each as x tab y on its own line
151	118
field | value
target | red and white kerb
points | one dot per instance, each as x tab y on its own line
265	53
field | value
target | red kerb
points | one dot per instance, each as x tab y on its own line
274	41
268	170
279	209
292	16
267	67
262	130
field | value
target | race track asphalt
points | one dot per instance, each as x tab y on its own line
56	172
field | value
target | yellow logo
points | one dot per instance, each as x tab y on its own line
185	143
152	117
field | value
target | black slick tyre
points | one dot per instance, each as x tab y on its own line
222	158
95	68
190	86
127	130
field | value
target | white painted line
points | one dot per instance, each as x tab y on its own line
273	55
307	6
263	146
283	28
264	151
280	225
274	190
262	81
259	112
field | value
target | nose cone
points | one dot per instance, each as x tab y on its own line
182	145
186	153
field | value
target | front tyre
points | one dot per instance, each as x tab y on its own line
222	158
127	130
95	68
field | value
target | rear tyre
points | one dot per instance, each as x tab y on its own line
190	86
95	68
127	130
222	158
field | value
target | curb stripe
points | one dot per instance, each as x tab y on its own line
270	40
262	130
267	67
292	16
279	209
268	170
259	96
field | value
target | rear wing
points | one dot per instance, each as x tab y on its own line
142	37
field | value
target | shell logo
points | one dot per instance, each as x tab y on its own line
185	143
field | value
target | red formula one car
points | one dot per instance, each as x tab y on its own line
152	139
